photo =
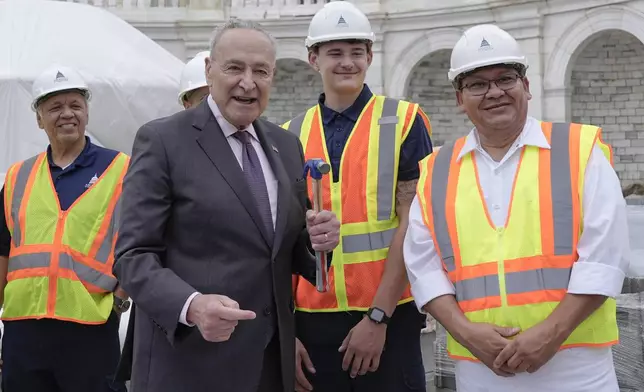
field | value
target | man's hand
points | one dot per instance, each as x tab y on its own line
119	294
486	341
530	350
216	316
302	358
363	346
324	230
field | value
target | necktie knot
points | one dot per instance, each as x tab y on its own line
242	136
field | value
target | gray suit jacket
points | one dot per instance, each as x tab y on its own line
189	223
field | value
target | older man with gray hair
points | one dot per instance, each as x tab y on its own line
215	220
60	301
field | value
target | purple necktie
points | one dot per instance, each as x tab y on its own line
255	179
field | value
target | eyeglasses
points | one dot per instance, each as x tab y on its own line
481	87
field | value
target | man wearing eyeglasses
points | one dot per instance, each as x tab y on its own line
517	240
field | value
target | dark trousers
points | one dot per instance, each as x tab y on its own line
58	356
401	364
271	380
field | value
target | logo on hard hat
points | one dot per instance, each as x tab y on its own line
485	45
342	22
60	77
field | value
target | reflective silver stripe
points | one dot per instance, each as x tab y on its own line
481	287
369	241
387	158
88	274
536	280
31	260
84	273
105	249
295	126
561	189
18	192
439	200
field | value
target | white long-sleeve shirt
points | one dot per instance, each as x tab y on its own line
602	265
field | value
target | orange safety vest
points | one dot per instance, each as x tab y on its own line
60	262
515	275
363	200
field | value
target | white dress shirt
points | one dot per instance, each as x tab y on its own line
271	182
602	265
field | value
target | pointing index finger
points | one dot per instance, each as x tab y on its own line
232	314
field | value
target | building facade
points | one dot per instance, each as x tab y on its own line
586	57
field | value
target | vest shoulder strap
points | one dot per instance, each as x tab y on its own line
295	125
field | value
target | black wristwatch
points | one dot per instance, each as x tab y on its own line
378	316
121	305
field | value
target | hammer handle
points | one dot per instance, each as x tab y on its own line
321	270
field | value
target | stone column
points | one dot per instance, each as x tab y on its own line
532	49
556	104
375	75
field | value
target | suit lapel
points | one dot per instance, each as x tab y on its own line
283	183
213	143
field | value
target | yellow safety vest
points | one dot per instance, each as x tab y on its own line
516	275
363	201
60	263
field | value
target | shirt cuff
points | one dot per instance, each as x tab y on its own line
184	312
595	279
429	286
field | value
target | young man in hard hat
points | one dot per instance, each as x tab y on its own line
518	239
57	233
193	87
364	333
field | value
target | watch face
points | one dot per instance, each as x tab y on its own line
377	314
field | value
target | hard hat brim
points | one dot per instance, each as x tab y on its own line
311	41
83	90
455	73
185	92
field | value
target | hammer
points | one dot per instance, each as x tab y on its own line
317	168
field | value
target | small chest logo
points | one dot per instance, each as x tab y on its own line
92	181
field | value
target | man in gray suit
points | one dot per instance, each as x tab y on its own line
214	222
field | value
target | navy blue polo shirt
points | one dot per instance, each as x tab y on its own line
70	182
338	126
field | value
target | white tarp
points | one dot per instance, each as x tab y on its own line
133	79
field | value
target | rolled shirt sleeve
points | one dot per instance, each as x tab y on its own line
604	250
416	146
424	267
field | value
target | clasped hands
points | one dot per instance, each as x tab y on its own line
507	351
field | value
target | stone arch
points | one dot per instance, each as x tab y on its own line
572	42
581	32
429	86
606	90
296	87
417	50
292	49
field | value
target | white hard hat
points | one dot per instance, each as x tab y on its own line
193	75
484	45
57	79
339	20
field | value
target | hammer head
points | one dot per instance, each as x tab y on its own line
316	167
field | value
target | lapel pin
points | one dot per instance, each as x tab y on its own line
275	149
